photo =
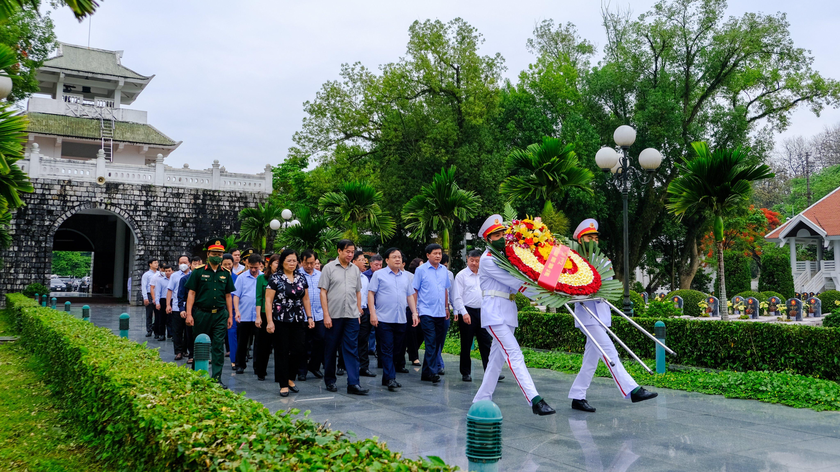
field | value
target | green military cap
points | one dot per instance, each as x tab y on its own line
246	253
216	244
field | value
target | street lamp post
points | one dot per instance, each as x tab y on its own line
286	214
619	164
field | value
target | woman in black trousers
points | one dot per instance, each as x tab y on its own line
287	299
263	342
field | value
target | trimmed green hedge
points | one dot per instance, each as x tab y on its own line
776	273
737	346
691	298
748	294
145	414
766	296
832	320
828	298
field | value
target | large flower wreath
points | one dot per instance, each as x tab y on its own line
528	244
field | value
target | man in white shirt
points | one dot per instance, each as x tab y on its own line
364	321
160	284
468	305
146	291
500	318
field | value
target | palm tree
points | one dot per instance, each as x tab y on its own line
313	232
552	168
255	224
356	206
712	185
80	8
438	207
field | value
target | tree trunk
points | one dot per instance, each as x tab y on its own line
724	309
444	239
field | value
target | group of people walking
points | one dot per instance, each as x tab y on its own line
312	317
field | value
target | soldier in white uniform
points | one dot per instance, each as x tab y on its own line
587	235
499	317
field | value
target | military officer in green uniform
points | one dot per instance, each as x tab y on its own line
209	303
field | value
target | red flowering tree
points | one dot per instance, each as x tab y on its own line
744	233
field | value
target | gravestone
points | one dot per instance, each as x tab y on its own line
794	309
713	308
752	307
797	295
737	300
678	301
773	306
814	307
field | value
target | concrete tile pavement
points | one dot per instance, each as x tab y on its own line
676	431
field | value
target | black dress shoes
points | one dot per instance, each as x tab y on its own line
501	377
582	405
317	374
541	408
331	388
302	377
367	373
641	395
284	394
339	372
224	387
393	385
148	334
402	370
240	370
466	378
357	390
432	379
261	377
441	372
294	389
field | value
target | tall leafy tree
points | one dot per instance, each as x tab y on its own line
255	224
438	207
80	8
356	207
544	171
313	232
31	37
713	185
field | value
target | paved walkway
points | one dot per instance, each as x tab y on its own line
678	431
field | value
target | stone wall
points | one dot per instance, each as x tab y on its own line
165	221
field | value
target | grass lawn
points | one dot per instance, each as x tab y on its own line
33	437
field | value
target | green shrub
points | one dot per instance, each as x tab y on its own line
832	320
776	274
32	289
690	300
639	307
750	293
662	309
521	301
737	346
766	295
828	298
737	273
145	414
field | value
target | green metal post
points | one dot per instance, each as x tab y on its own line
124	320
484	436
37	297
67	306
659	332
201	351
85	313
44	301
53	301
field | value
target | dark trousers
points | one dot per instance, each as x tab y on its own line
243	333
399	343
314	349
263	344
150	313
160	318
412	339
364	340
215	326
289	345
386	335
179	329
434	333
188	337
468	331
343	335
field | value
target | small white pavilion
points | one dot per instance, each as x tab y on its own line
818	224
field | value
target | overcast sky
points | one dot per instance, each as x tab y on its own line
231	77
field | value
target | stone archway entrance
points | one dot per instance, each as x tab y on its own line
110	237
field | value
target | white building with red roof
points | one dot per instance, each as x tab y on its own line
818	224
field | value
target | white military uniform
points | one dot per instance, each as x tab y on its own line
591	354
499	317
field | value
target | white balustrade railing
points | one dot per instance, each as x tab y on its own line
829	266
41	167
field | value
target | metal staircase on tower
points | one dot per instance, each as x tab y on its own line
106	132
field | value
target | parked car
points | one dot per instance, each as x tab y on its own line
56	285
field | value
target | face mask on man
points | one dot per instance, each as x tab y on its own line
498	244
183	267
215	260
